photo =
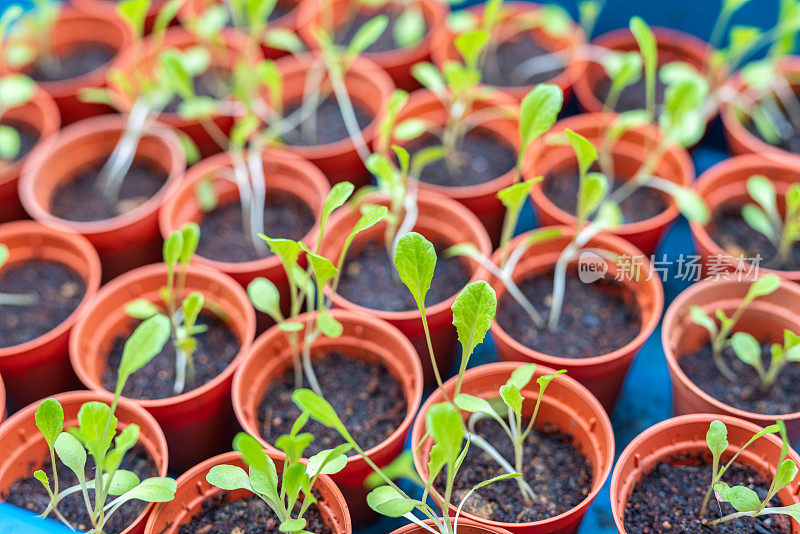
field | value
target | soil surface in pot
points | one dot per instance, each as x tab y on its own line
58	290
80	199
77	61
556	470
28	135
368	399
783	397
213	83
216	349
596	318
482	157
500	68
632	97
329	124
729	230
222	233
386	42
669	498
645	202
370	279
28	493
250	515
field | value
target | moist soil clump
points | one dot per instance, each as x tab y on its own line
81	200
216	349
370	279
668	499
368	399
222	231
58	290
596	318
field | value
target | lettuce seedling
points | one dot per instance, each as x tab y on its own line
183	311
765	218
743	499
97	426
14	299
720	335
31	38
282	495
748	349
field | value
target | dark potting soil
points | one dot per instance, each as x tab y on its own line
212	83
222	231
28	136
385	43
330	125
729	230
368	399
79	60
501	62
555	469
645	202
250	515
59	290
28	493
480	158
370	279
782	397
669	498
596	318
632	97
216	349
788	127
79	199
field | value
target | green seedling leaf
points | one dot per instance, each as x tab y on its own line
539	111
622	68
470	403
173	246
545	380
141	309
446	427
337	197
367	34
94	420
154	489
648	48
717	438
4	254
9	142
760	189
319	409
389	502
591	193
123	482
146	341
134	13
284	39
701	318
691	205
229	478
286	249
72	454
49	419
411	129
409	27
429	77
521	376
742	499
415	260
473	313
328	325
758	221
584	150
328	462
512	397
293	525
192	306
514	196
265	298
369	218
747	349
16	90
253	453
762	287
122	444
786	473
324	270
470	45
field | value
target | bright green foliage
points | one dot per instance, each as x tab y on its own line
764	216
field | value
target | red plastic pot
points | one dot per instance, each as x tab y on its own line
480	199
465	526
603	374
2	400
92	6
197	423
443	49
440	219
125	241
368	85
687	433
40	367
76	27
397	63
726	183
566	404
41	114
766	318
628	155
24	447
194	489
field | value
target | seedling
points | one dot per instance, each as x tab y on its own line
31	39
408	28
97	426
743	499
720	335
183	312
297	479
748	349
14	299
765	218
15	90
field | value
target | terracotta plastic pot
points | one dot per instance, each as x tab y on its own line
726	183
465	526
443	49
766	318
439	219
40	367
2	400
628	155
41	114
687	433
125	241
672	45
481	199
368	85
740	139
194	489
24	447
92	6
603	374
566	404
75	27
233	49
197	423
397	63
